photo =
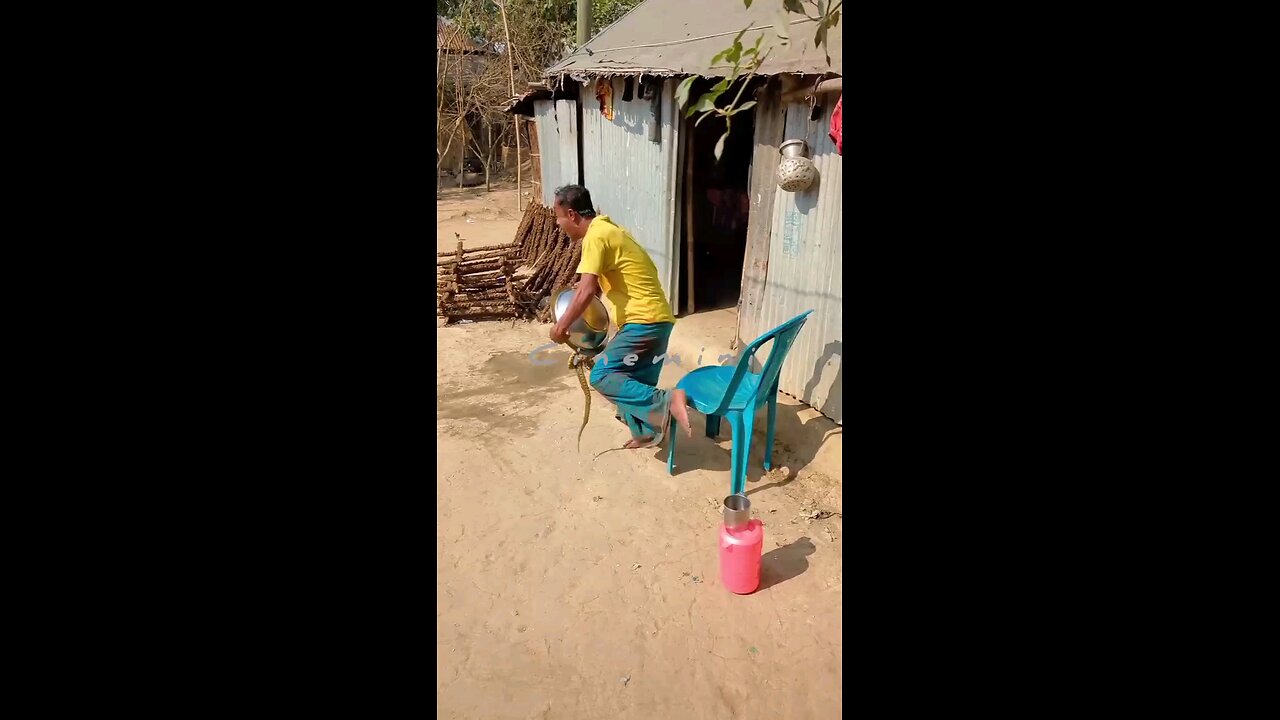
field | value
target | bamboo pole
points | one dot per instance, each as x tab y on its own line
462	120
472	259
484	248
515	118
584	22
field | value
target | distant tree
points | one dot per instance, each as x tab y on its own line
478	88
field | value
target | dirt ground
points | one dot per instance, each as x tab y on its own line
575	586
482	218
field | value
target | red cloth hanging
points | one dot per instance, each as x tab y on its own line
836	130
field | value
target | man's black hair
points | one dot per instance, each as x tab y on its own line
577	199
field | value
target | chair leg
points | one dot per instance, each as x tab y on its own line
768	437
737	462
713	426
671	447
743	424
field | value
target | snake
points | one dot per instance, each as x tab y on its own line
577	361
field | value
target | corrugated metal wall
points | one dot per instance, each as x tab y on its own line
631	178
557	122
770	121
804	270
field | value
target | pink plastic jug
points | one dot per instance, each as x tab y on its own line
741	541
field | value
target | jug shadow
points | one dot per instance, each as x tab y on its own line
781	564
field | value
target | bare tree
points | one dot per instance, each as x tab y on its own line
472	88
516	41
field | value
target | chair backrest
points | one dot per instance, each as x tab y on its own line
782	336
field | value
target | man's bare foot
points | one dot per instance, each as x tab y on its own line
638	443
680	410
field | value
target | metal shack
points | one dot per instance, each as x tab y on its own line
722	232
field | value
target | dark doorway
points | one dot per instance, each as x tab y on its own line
713	236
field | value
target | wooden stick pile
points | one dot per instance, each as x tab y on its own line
483	282
552	255
479	283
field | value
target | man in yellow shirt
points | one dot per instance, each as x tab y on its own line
627	372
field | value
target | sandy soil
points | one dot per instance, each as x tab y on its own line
571	586
482	218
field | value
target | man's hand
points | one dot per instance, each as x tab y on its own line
587	286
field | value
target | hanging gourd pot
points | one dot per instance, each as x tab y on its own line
796	171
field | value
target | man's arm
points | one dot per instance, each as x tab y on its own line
587	288
578	278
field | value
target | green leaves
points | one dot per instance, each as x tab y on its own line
781	25
745	61
734	54
825	23
820	36
704	103
728	123
682	91
708	99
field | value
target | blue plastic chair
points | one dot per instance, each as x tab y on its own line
738	393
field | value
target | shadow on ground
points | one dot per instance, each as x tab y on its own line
782	564
796	443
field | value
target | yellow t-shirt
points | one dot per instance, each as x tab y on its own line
627	275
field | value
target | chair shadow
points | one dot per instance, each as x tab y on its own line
698	452
781	564
790	478
796	443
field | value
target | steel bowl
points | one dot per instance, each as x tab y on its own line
794	149
590	331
